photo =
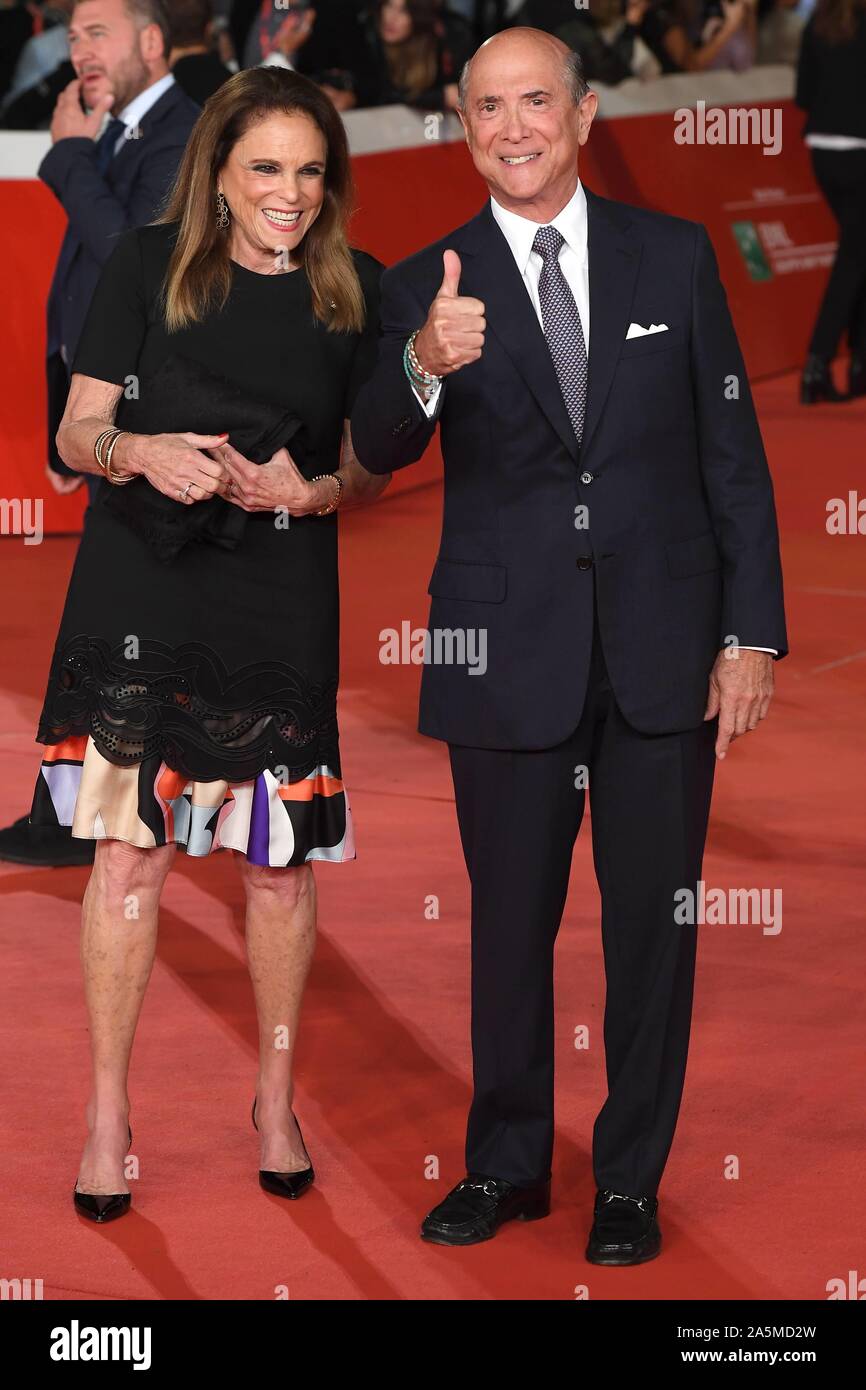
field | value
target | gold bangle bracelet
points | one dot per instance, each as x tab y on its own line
103	445
99	444
111	473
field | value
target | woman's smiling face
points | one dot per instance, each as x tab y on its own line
274	184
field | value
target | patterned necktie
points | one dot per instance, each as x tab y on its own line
106	143
562	326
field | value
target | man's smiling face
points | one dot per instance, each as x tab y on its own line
523	127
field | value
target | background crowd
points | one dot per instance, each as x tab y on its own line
399	51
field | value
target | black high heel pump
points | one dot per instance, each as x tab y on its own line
291	1185
816	383
99	1207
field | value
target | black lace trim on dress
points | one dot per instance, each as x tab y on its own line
181	704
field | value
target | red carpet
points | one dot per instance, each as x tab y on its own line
775	1076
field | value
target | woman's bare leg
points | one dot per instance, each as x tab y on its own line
118	941
281	938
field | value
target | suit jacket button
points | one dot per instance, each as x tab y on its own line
586	477
584	562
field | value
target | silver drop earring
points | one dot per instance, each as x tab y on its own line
222	211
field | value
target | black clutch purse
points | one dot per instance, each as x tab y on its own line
183	395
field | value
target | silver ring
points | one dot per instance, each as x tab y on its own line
182	494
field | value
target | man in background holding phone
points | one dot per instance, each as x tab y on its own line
318	40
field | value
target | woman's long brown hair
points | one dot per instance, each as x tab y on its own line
414	63
199	273
836	21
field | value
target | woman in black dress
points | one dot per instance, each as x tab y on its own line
192	694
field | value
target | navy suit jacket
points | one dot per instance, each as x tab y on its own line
681	550
100	207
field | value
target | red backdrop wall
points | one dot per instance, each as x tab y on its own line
768	205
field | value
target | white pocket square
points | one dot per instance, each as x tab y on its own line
635	330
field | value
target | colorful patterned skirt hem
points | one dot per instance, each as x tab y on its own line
275	824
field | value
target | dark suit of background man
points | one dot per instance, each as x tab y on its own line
109	172
605	641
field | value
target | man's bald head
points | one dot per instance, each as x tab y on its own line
515	43
526	111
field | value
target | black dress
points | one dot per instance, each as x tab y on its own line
195	701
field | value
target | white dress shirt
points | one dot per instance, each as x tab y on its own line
835	142
136	109
519	232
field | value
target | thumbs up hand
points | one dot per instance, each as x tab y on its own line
450	286
453	334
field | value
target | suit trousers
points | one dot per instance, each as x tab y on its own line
519	814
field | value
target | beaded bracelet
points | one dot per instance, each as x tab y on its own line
424	380
335	502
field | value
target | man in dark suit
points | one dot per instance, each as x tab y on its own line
107	174
118	133
609	527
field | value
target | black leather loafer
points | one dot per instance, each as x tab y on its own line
624	1229
475	1209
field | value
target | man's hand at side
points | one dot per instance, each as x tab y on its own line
61	483
741	688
